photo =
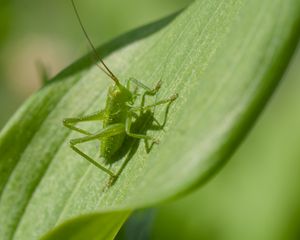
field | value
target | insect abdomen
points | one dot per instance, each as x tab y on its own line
116	112
110	145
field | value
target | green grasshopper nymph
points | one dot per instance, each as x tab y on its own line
117	116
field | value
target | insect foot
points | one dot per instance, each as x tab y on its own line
157	87
173	97
111	181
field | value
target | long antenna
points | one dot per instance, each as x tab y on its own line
103	67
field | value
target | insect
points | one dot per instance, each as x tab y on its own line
117	116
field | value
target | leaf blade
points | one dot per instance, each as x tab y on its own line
202	45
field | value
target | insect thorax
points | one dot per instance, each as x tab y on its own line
116	108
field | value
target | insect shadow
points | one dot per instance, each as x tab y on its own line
145	122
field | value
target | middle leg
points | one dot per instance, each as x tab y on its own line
164	101
70	122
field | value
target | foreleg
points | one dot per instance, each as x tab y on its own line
148	90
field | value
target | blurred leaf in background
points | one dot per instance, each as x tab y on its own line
5	15
5	24
257	195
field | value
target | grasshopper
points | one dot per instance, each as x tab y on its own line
116	117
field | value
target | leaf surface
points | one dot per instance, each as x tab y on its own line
223	58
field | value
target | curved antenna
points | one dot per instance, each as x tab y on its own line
103	67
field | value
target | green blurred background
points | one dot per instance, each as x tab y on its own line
255	196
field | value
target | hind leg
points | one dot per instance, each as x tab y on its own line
109	131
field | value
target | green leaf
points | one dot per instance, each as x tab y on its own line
96	226
223	58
